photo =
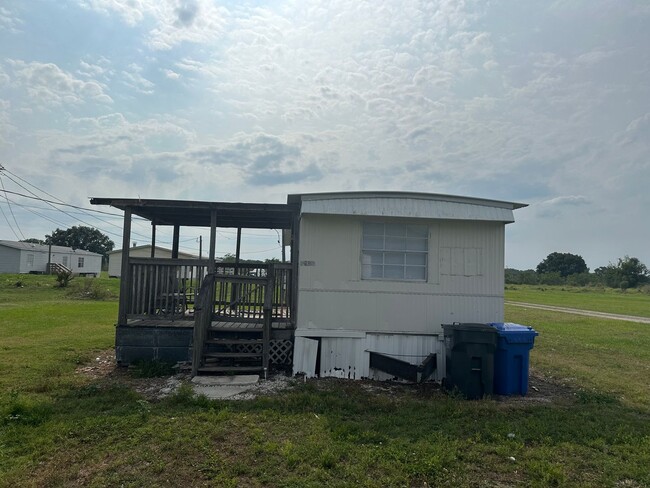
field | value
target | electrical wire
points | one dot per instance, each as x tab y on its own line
10	209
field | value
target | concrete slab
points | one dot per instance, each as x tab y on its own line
220	387
220	392
235	380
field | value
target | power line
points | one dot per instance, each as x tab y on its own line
12	213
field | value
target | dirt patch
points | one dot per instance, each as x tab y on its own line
543	387
103	368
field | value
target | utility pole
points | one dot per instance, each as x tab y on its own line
200	246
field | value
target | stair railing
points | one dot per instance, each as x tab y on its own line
202	319
268	317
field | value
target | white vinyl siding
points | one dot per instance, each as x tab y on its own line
394	251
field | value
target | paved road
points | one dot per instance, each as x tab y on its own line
588	313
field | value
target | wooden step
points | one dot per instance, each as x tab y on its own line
232	355
234	341
256	329
230	369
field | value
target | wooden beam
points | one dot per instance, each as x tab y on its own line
213	241
238	249
153	240
295	269
125	275
177	233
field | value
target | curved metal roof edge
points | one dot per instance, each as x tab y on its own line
299	197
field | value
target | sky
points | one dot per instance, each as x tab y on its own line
545	103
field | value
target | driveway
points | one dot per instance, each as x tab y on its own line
588	313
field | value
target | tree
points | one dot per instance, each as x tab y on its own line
31	240
564	263
628	273
82	237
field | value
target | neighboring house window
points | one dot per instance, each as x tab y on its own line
30	260
80	263
64	260
394	251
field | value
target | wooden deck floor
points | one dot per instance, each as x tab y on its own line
226	323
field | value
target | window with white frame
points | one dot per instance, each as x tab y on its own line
80	262
64	260
394	251
30	260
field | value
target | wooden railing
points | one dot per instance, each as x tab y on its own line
164	289
254	303
202	320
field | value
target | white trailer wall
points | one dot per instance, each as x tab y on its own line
464	284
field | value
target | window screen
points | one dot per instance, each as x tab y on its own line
394	251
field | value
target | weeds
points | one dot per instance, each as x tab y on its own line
90	289
151	368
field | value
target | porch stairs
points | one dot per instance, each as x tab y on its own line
58	268
233	348
231	344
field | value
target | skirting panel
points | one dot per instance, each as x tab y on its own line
348	357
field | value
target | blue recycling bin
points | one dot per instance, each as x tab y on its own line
511	358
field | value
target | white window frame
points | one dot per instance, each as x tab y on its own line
30	260
80	262
394	251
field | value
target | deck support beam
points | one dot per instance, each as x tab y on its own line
153	240
125	275
213	241
177	233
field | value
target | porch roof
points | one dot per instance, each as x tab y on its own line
197	214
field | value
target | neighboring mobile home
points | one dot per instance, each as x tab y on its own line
25	257
372	277
146	251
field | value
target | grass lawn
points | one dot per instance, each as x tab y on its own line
629	302
588	426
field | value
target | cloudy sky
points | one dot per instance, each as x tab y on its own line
541	102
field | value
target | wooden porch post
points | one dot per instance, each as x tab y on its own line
153	240
238	249
295	266
213	241
177	232
268	312
125	273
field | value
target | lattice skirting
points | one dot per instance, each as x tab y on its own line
281	350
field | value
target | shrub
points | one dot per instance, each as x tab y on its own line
90	289
63	278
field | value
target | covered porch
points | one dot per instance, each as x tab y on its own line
224	317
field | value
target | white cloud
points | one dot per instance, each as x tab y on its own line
9	21
134	80
172	75
48	85
175	21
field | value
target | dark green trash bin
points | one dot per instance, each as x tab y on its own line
469	351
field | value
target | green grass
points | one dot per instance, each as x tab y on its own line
630	302
59	428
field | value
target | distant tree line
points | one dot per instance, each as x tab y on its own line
571	269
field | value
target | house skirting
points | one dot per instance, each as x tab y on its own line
346	354
169	343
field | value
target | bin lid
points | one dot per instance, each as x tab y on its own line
468	326
515	333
